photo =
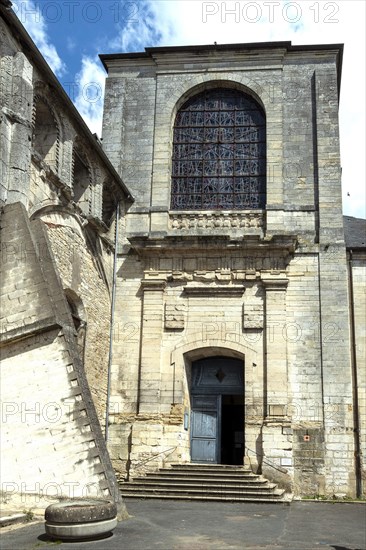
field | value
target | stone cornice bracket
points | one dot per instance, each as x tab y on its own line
153	285
275	284
15	117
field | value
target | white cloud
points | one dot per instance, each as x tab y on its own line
70	44
89	98
30	15
146	27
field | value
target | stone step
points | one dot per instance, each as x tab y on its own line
126	488
205	497
152	479
203	474
203	482
227	468
199	486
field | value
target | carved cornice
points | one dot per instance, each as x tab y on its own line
183	243
216	220
214	259
223	269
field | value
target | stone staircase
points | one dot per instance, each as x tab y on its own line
204	482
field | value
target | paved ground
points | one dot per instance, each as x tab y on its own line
179	525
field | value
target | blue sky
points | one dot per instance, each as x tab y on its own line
71	33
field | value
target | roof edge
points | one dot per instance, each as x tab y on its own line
287	45
149	51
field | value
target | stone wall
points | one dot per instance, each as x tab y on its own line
52	444
86	272
46	152
357	268
59	194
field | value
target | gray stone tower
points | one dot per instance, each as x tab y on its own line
232	329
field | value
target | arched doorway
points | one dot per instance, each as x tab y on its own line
217	404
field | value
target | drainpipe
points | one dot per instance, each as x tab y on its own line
356	419
321	340
113	303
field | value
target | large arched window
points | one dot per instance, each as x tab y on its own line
219	153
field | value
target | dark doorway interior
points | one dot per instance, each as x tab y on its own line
232	429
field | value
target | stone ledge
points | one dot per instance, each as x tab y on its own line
13	518
214	291
18	333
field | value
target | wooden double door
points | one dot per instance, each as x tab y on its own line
217	405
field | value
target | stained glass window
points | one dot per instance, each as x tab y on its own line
219	153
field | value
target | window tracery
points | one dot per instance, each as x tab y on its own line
219	153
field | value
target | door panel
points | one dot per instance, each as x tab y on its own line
204	429
204	424
204	450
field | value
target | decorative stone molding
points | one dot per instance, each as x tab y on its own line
252	316
214	290
153	285
174	316
275	284
216	220
230	275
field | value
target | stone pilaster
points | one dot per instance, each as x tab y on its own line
275	444
334	308
152	328
275	347
19	115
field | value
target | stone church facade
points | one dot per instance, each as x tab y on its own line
232	339
205	234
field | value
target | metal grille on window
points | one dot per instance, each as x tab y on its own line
219	153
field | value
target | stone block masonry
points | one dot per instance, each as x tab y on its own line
52	444
266	286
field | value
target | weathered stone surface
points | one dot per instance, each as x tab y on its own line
268	287
52	444
271	288
59	196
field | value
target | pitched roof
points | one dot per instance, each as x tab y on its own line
354	232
